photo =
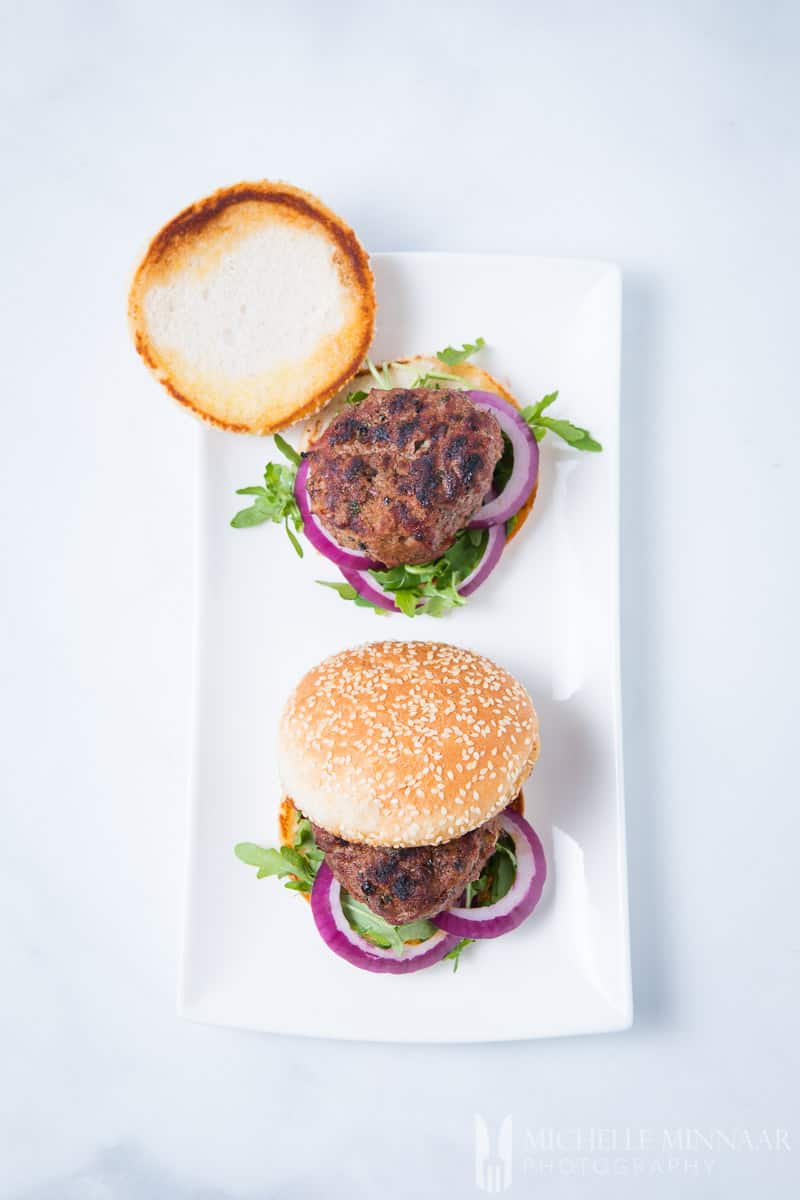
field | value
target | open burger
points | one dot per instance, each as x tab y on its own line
412	481
402	764
255	308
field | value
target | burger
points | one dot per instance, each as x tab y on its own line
255	308
411	482
402	765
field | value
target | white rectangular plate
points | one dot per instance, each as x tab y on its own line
252	956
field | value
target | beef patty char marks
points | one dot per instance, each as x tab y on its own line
409	884
398	475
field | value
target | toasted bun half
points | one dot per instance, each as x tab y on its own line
406	743
403	372
254	306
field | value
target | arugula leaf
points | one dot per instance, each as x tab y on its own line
535	410
298	549
369	924
456	952
438	377
505	845
304	837
301	862
355	397
277	862
347	592
573	435
255	515
275	500
502	472
432	588
295	859
497	877
503	874
378	931
406	601
257	856
416	931
286	450
451	356
381	375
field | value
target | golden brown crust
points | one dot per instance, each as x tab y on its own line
171	243
406	743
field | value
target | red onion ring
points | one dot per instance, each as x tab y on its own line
319	539
522	480
489	560
492	920
369	589
335	931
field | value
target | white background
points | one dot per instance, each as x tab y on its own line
661	136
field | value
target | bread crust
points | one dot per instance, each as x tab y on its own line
301	209
406	743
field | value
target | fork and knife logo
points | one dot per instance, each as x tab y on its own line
493	1159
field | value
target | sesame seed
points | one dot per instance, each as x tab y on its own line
384	740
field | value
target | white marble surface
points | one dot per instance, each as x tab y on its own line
665	141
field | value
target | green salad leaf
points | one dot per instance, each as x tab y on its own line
456	952
430	588
274	501
301	861
347	592
494	882
298	865
287	450
437	378
375	929
451	356
496	878
381	375
539	424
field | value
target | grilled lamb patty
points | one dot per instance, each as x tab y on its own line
398	475
409	884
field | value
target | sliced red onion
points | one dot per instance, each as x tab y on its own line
491	920
489	560
369	589
524	473
336	932
319	539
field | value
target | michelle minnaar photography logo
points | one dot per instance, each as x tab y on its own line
493	1154
646	1151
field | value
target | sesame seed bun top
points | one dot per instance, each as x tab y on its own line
406	743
